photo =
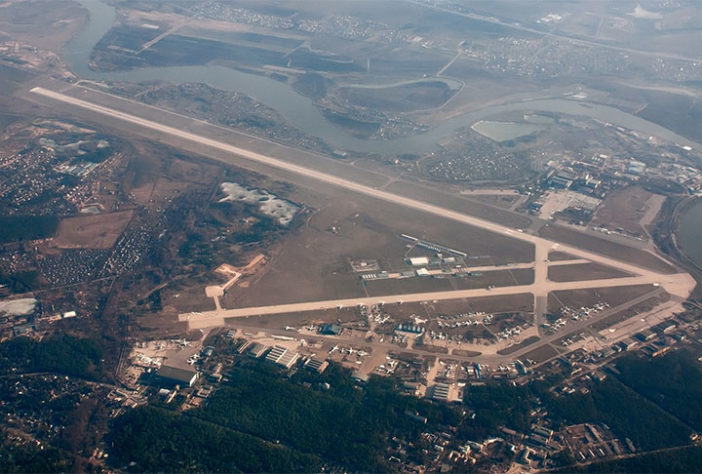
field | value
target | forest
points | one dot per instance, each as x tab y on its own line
66	355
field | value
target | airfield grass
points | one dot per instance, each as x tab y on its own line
312	262
559	256
623	208
605	247
585	271
541	353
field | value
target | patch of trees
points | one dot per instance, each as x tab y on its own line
149	439
496	405
352	431
20	282
260	231
674	382
624	411
271	423
21	458
13	228
63	354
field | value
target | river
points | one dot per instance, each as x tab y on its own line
301	112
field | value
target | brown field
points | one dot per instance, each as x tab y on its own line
465	353
505	202
311	262
522	276
526	342
91	232
584	271
541	353
558	256
623	208
605	247
487	304
613	296
279	321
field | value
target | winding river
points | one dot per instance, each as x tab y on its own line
304	115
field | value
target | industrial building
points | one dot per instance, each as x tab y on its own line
562	179
257	350
645	335
316	365
440	392
282	356
330	330
173	376
418	261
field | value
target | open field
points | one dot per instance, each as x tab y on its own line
558	256
402	97
411	285
604	247
624	208
316	257
541	353
489	304
59	21
91	232
586	271
297	320
514	348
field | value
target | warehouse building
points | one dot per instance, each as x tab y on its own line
172	376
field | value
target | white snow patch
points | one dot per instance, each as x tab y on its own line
18	307
551	18
640	12
269	204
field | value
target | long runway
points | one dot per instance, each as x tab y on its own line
337	181
679	284
431	296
